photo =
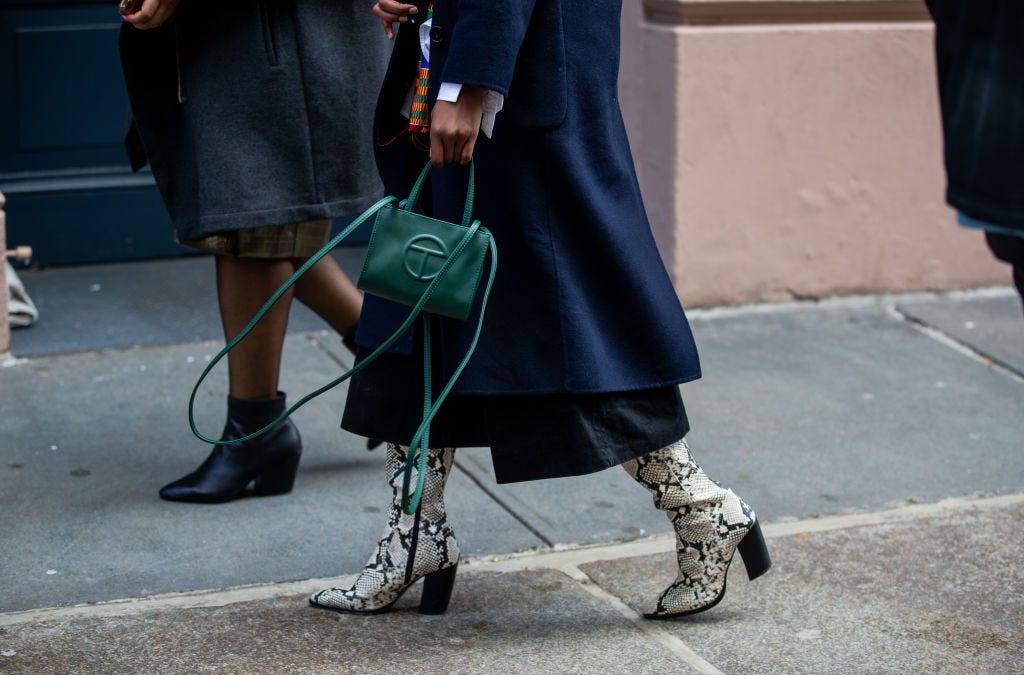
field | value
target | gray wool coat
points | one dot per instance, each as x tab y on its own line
257	113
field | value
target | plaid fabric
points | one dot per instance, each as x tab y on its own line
294	240
419	118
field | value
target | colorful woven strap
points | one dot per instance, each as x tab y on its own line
419	118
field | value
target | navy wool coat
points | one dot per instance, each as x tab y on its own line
582	302
257	113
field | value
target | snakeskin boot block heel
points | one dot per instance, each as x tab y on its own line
413	547
711	524
437	590
754	552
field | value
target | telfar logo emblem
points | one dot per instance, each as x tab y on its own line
424	256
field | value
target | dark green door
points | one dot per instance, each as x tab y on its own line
63	114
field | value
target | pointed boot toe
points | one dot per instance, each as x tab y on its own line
214	482
182	490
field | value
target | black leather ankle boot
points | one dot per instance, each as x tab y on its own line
268	461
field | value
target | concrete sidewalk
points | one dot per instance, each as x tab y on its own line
878	438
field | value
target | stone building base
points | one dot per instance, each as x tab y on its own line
793	149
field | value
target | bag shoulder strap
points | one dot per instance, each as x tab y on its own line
341	236
421	439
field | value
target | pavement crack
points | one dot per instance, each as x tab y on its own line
504	505
666	639
952	342
314	339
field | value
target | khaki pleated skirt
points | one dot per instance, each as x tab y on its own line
294	240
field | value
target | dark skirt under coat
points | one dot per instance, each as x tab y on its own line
530	437
257	113
584	341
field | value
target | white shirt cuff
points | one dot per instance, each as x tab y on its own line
449	92
493	103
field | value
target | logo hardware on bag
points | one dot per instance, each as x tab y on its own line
424	256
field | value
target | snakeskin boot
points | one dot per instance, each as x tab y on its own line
711	524
413	546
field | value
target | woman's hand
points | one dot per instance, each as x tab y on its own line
153	13
454	127
392	12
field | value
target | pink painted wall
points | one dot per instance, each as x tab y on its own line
792	161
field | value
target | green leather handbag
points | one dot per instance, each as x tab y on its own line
431	265
407	251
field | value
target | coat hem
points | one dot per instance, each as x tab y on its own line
980	207
236	220
609	389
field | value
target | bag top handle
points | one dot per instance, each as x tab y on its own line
410	203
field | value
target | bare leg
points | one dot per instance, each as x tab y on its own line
328	291
270	461
243	286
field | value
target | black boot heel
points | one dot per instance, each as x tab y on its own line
279	478
437	590
754	552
